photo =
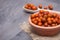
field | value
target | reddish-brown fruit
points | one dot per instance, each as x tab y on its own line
39	20
46	24
40	24
54	15
33	19
56	24
59	17
54	21
41	15
49	15
32	16
36	15
49	22
45	7
35	22
50	6
53	24
58	21
26	7
48	19
34	8
41	11
40	6
43	19
29	7
36	18
45	16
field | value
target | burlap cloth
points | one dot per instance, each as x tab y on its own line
26	27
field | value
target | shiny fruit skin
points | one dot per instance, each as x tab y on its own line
53	24
39	23
58	21
45	16
33	19
32	16
49	22
35	22
48	19
54	15
26	7
45	7
41	17
43	20
46	24
54	21
40	6
36	15
49	15
41	11
50	6
34	8
39	20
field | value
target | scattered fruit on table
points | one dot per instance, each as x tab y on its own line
50	6
40	6
45	7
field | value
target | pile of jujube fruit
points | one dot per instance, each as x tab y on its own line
45	18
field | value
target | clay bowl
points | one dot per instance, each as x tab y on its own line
45	31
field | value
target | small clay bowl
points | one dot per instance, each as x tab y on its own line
45	31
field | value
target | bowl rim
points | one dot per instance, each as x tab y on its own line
42	26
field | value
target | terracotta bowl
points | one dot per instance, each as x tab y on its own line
45	31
